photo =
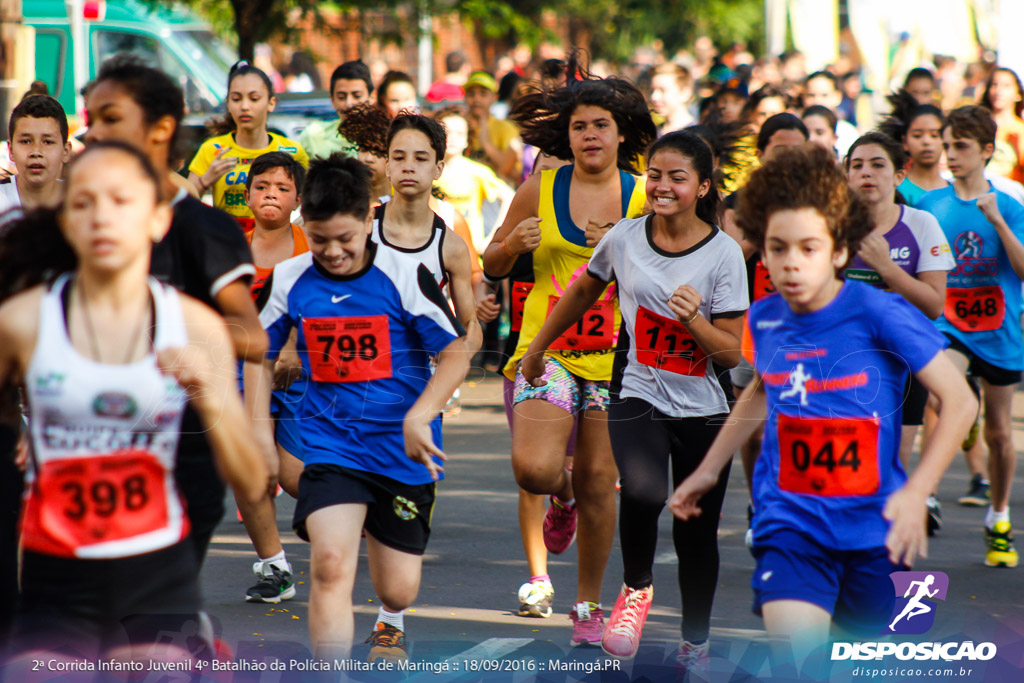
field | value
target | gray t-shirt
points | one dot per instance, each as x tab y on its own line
665	365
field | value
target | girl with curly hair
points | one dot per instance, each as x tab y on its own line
559	216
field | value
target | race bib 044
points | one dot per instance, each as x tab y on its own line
829	456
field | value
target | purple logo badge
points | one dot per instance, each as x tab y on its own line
916	592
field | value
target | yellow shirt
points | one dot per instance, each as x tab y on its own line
1008	158
587	350
501	133
467	184
229	190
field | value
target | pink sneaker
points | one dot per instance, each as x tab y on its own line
622	637
692	659
587	624
559	526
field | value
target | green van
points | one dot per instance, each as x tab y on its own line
171	39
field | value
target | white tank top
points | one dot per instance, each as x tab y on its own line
430	254
101	474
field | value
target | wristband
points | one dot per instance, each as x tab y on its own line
692	318
505	247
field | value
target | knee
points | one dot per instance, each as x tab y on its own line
329	569
534	477
637	495
998	437
595	475
397	596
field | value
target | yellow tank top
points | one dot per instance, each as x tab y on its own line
587	348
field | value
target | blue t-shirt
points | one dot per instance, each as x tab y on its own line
834	380
365	341
983	293
911	192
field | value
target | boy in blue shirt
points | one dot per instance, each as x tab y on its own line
836	512
368	320
984	302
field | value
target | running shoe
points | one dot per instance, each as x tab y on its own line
622	636
587	624
535	598
559	526
387	643
692	658
977	494
275	584
999	540
934	514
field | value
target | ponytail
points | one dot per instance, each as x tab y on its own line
222	125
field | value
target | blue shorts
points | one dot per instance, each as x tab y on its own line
286	425
851	585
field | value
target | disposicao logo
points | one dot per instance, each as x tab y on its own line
914	612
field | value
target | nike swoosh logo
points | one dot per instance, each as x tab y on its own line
339	299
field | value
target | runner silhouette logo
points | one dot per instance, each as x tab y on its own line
916	592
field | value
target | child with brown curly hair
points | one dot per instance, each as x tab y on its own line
837	512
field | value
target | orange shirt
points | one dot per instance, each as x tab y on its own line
301	247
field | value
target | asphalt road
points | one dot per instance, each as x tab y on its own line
464	625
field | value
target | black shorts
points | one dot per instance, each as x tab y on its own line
993	374
398	515
915	398
85	607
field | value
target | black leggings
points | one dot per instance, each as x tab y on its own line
643	439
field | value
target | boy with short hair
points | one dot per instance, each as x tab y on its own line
368	319
493	141
982	316
351	84
38	131
272	192
822	88
836	511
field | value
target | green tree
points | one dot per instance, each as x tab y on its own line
610	29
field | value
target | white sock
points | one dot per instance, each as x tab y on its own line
992	517
278	561
392	618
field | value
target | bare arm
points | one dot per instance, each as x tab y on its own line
719	339
927	291
580	296
247	335
461	228
988	204
747	416
907	536
452	365
207	369
501	253
256	399
460	284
